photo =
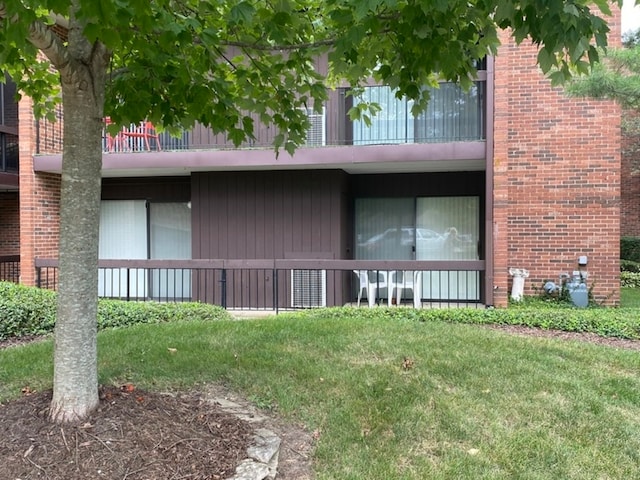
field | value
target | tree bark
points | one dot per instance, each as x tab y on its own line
75	380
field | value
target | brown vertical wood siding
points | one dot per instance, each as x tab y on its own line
269	214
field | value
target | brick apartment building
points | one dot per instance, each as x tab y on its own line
527	177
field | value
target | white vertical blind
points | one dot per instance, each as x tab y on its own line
385	228
426	228
392	124
456	222
123	235
452	115
170	226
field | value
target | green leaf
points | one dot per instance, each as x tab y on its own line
546	59
242	12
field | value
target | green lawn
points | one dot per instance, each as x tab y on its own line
476	404
630	297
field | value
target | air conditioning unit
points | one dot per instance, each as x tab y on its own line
317	133
308	288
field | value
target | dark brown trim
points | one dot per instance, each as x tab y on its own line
489	193
9	180
153	189
9	130
287	264
418	184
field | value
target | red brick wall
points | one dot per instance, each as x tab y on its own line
630	184
557	179
39	200
9	224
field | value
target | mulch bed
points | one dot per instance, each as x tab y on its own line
133	435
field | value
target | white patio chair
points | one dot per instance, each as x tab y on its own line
405	279
371	281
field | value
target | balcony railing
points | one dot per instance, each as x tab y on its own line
10	268
452	116
272	284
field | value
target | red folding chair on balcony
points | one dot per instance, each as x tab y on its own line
114	143
145	131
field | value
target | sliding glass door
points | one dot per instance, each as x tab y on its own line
385	228
448	228
136	229
423	228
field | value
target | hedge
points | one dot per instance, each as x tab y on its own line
606	322
630	249
32	311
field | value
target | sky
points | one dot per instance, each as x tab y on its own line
630	16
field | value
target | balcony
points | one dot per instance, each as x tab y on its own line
453	116
10	268
449	136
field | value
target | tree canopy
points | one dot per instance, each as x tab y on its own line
616	77
181	61
177	62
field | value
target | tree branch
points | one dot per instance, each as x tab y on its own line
43	38
256	46
49	44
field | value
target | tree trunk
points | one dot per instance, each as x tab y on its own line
75	380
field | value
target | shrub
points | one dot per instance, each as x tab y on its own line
32	311
117	313
630	279
629	266
25	310
630	248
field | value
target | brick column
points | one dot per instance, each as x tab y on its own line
39	200
556	178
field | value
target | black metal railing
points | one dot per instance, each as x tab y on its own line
10	268
274	284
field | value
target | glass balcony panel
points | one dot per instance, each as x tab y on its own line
9	153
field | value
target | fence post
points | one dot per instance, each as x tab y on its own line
128	295
223	283
275	290
39	277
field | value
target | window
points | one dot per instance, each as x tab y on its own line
8	127
451	116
